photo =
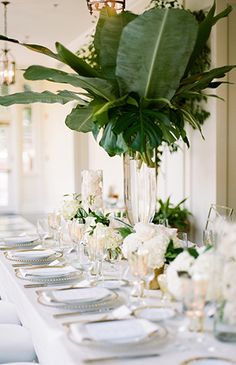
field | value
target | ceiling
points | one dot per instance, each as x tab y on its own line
46	21
43	22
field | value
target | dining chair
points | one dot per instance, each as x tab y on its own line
16	344
217	211
8	313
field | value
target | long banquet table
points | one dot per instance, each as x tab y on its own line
53	346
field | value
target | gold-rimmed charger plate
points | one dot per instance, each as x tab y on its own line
157	335
71	277
47	259
208	360
86	305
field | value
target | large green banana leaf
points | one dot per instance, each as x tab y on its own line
102	88
64	55
80	119
29	97
108	38
154	51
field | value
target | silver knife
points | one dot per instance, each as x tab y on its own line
119	357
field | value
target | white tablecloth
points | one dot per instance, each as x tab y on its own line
54	348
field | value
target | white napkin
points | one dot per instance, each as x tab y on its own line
11	241
123	331
81	295
31	254
48	272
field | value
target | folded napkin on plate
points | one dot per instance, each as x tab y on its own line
80	295
119	331
11	241
31	254
48	272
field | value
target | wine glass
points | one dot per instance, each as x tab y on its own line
138	263
54	222
42	229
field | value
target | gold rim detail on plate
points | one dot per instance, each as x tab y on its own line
189	361
53	257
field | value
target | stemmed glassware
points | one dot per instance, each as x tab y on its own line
54	222
138	263
43	230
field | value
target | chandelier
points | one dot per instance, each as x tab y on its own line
97	5
7	63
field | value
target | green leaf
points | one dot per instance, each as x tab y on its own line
112	143
204	32
202	81
112	104
147	61
108	44
193	252
125	231
80	119
96	86
76	63
29	97
32	47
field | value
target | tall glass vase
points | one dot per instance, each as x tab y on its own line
140	190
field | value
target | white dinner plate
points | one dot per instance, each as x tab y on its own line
49	274
18	241
112	301
111	283
116	332
34	255
155	313
77	295
211	360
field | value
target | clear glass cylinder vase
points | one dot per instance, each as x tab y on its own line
225	321
140	190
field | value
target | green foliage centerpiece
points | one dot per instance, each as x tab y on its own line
144	63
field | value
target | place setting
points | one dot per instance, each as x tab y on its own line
18	242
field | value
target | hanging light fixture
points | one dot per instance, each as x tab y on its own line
97	5
7	63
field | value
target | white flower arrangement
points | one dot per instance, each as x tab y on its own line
70	208
204	267
107	237
153	238
91	190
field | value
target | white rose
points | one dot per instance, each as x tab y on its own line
131	244
182	262
145	231
70	209
156	247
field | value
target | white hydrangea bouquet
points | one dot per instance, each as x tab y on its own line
158	240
